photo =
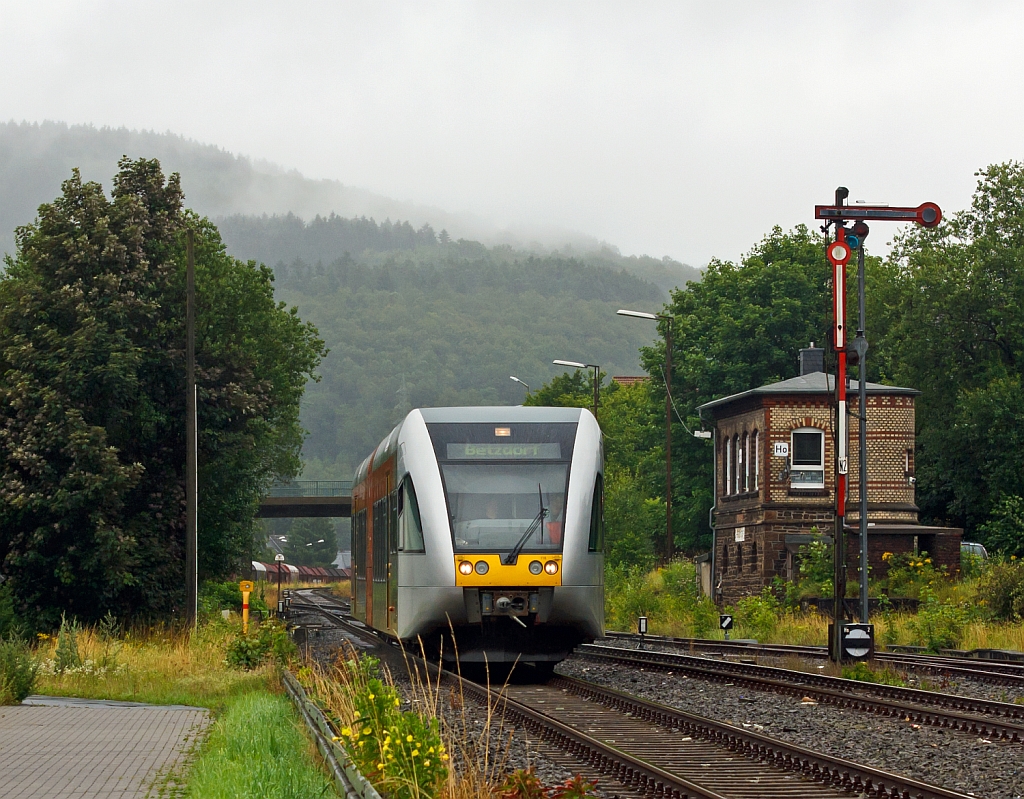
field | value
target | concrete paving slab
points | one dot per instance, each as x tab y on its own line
92	749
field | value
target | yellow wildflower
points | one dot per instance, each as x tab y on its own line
415	752
346	731
366	731
430	751
371	697
444	757
426	763
408	738
335	738
398	702
358	715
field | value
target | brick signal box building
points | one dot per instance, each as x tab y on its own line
775	480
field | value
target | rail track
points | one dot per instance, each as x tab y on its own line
660	751
996	672
978	717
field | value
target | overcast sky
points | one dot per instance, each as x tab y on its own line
682	129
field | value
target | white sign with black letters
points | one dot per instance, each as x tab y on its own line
741	534
781	449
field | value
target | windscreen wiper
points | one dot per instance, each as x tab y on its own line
513	555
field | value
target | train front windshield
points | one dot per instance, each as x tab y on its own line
497	479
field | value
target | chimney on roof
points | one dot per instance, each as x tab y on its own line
812	359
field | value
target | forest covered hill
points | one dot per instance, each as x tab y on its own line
447	324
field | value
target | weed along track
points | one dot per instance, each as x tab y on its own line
977	717
654	750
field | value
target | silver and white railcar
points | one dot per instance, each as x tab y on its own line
485	525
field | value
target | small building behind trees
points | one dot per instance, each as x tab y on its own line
775	480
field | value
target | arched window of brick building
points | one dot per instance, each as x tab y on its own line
737	465
753	556
725	559
739	558
746	462
727	466
755	456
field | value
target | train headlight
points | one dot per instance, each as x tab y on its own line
551	567
535	567
482	567
465	567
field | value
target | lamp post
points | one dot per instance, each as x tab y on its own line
670	547
521	382
597	376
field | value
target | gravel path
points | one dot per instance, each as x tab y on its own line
952	760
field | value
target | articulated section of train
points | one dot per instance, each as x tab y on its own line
481	531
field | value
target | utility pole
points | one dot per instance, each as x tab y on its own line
191	441
670	546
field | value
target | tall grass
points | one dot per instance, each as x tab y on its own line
953	613
161	665
257	750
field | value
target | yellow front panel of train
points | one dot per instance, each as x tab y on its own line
498	574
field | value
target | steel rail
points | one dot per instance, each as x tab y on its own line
648	777
949	712
993	672
833	771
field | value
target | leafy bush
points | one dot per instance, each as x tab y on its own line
9	623
215	596
1001	589
18	669
912	574
862	672
758	616
525	784
1004	531
940	625
270	641
401	753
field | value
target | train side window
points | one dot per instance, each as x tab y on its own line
393	523
597	518
410	530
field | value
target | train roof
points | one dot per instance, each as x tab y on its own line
501	413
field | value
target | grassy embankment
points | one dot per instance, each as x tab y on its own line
257	747
957	613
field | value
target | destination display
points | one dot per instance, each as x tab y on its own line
504	451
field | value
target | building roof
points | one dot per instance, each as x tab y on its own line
630	380
813	383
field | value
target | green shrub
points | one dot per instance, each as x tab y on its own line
215	596
862	672
18	669
10	624
1001	589
269	641
401	753
758	616
705	618
940	625
1004	531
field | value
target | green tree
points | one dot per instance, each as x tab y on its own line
740	327
311	542
92	400
951	305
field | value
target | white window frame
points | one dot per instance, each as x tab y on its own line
803	469
737	456
746	461
728	465
757	457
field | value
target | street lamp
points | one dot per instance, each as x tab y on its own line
521	382
597	376
669	541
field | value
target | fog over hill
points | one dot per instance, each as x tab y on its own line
36	157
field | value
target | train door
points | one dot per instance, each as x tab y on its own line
359	564
392	598
382	554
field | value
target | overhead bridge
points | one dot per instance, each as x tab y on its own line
307	498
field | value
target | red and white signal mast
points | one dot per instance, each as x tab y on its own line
838	253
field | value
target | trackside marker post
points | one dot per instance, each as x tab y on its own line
246	588
838	253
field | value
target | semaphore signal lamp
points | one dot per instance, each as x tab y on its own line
855	236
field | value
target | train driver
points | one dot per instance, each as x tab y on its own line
554	519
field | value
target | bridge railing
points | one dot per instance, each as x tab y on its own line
311	488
